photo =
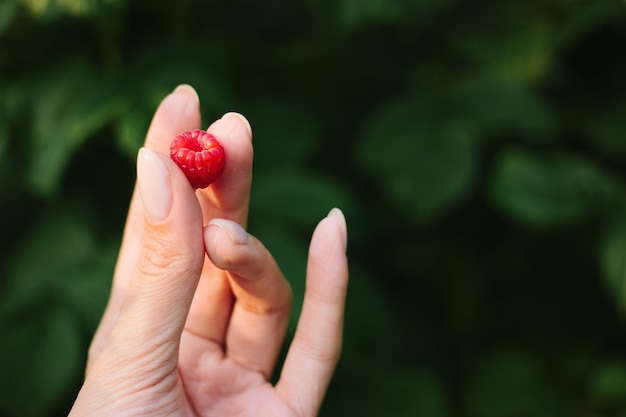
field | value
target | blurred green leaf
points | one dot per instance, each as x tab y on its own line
526	55
415	394
40	356
59	244
53	300
296	198
8	11
157	80
68	108
284	136
284	212
613	257
371	306
63	265
132	127
4	137
602	126
508	108
352	13
290	252
78	8
286	207
157	77
421	164
395	111
549	190
579	25
609	383
508	384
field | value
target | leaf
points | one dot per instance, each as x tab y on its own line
353	13
608	384
508	383
525	56
68	108
416	391
423	163
290	252
46	255
132	128
77	8
40	358
284	212
4	137
55	291
613	260
503	107
602	126
8	10
61	264
156	80
285	136
296	198
552	190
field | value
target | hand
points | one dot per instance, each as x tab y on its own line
198	314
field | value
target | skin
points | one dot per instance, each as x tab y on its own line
199	308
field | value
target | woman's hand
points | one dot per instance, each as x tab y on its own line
199	308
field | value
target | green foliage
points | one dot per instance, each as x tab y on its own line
477	149
553	191
509	384
57	285
426	164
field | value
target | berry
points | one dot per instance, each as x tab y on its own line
199	155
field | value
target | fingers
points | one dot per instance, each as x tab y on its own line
178	112
227	198
316	347
263	297
158	297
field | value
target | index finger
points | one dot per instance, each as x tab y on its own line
178	112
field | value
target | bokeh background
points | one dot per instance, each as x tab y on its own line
478	150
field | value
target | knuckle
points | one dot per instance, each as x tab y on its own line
325	351
159	254
287	297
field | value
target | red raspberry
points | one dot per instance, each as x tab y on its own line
199	155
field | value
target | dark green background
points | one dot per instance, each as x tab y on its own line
477	148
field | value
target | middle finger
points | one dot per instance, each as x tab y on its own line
226	198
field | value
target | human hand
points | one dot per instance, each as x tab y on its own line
199	308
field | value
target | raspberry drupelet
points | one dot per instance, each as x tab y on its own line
199	155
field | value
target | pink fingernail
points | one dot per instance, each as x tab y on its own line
187	89
245	123
236	233
153	180
343	229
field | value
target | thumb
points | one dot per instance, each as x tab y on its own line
169	264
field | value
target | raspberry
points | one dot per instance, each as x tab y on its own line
199	155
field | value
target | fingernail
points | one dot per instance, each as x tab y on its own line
188	90
153	180
236	233
244	122
343	229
